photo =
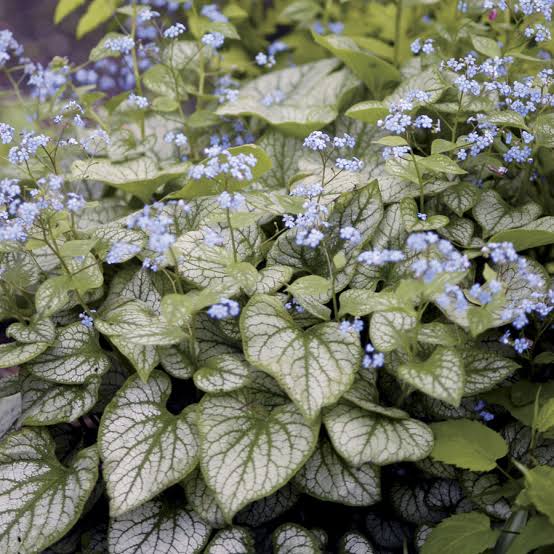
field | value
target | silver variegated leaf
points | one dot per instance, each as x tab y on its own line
40	330
13	354
176	360
440	376
388	329
409	502
136	322
355	543
315	367
328	477
156	527
248	452
144	448
291	538
223	373
73	357
485	490
143	358
313	93
495	215
233	540
272	278
484	370
201	499
40	499
360	436
387	532
46	403
269	507
285	152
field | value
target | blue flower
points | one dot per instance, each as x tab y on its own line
175	30
224	309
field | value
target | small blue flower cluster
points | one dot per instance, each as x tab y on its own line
226	89
213	40
175	31
398	120
312	221
154	221
233	202
427	46
372	358
120	45
221	163
355	326
450	261
479	407
335	27
380	257
9	47
20	211
224	309
212	12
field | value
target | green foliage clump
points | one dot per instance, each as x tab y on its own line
278	277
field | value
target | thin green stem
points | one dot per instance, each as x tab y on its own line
233	243
332	278
136	72
397	31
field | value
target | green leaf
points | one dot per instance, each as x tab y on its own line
539	483
231	541
247	452
467	444
370	111
72	358
360	436
315	367
313	94
545	418
13	354
141	177
532	235
35	484
440	376
46	403
161	80
144	448
97	13
487	46
377	74
543	129
223	373
328	477
157	527
462	533
202	500
360	302
290	538
66	7
538	532
439	163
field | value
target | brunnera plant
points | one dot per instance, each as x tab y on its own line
277	277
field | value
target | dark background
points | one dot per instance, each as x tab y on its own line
32	23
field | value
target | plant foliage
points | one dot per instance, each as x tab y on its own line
277	276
